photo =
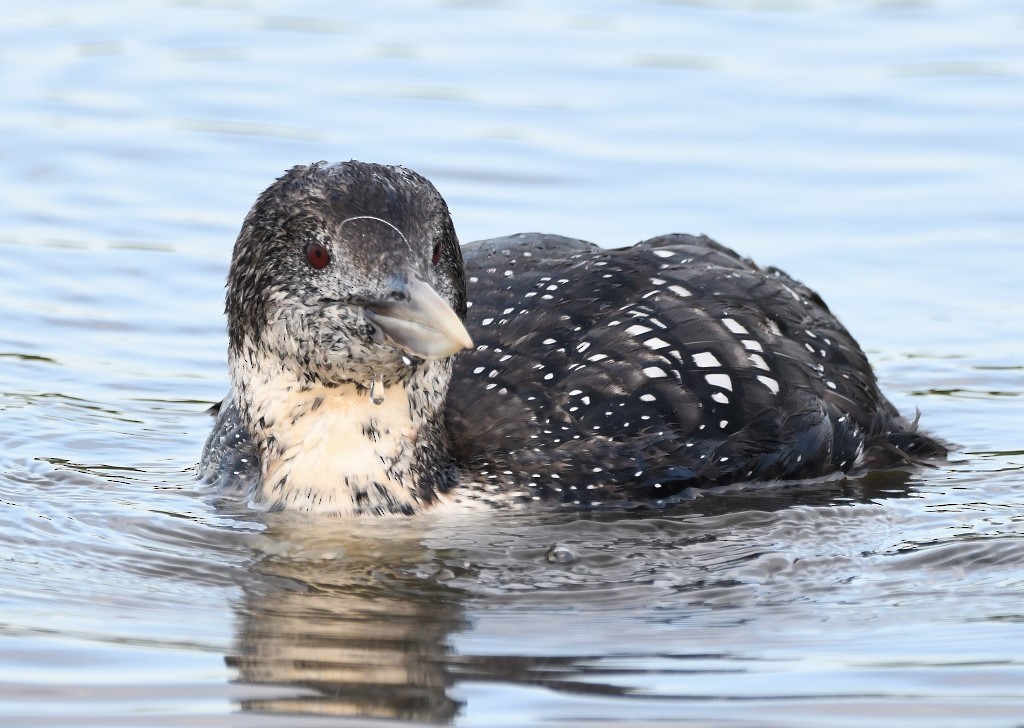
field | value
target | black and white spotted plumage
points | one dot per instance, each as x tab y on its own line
633	374
598	376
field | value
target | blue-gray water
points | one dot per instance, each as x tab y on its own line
874	149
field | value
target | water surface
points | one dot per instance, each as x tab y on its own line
872	149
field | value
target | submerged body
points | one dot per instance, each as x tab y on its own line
597	376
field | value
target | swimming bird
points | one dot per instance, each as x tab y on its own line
377	367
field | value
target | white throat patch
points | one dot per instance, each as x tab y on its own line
332	449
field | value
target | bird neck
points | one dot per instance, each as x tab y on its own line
335	449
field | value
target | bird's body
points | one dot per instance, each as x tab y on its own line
598	377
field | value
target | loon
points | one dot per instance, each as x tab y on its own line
378	367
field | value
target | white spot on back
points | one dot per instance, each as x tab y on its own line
637	330
719	380
734	326
706	359
655	372
758	361
772	385
679	291
655	343
648	398
662	253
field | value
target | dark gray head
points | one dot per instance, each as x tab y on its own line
345	272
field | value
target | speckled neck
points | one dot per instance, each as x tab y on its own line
332	449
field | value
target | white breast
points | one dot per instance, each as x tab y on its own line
331	449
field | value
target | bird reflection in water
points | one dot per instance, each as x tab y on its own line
358	616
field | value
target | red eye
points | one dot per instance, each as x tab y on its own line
317	255
437	254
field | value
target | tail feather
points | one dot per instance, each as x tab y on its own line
901	442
